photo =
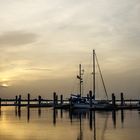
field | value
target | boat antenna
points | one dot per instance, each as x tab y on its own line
93	74
101	76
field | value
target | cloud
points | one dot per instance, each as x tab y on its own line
69	30
16	38
38	69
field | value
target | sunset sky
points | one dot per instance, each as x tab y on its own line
42	43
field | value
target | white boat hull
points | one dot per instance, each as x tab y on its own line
94	106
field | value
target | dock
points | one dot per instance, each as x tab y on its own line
60	103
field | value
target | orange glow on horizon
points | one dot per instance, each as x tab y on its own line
4	85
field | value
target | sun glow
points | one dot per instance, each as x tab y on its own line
4	85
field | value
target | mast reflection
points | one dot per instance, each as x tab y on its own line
80	135
94	125
105	127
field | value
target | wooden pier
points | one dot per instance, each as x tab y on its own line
61	103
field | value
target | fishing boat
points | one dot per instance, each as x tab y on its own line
80	102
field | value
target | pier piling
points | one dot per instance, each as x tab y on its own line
90	95
54	99
87	96
16	100
122	100
19	101
28	100
61	99
0	102
70	100
39	100
113	100
19	106
62	103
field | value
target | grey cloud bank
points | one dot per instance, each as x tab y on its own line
60	34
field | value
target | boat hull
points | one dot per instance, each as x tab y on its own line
93	107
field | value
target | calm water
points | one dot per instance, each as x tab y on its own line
47	124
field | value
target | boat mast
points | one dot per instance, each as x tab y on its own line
80	79
93	74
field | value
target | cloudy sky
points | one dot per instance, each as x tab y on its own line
42	43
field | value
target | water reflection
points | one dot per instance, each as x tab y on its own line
90	120
39	112
16	111
104	127
19	112
61	113
122	117
28	114
91	115
80	115
114	118
54	117
56	124
94	124
70	116
80	135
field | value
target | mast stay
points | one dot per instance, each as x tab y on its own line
101	76
96	59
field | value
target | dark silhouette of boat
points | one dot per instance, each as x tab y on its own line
80	102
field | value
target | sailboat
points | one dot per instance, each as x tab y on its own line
80	102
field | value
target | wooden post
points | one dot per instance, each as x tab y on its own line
0	102
122	100
54	99
39	100
19	106
113	100
70	100
28	102
61	99
16	100
0	106
90	95
19	101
